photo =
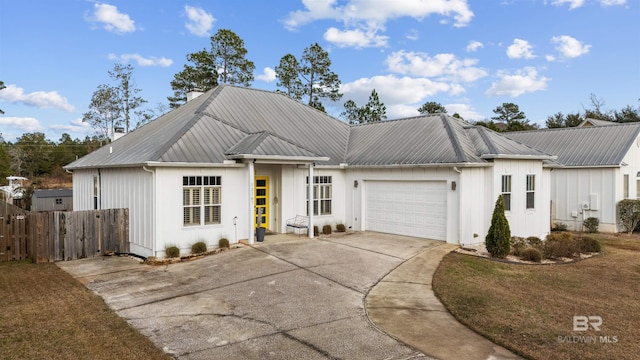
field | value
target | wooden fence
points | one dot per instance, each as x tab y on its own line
63	235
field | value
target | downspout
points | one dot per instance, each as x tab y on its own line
251	208
460	217
153	211
310	230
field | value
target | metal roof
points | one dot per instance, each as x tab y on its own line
583	146
52	193
597	122
230	121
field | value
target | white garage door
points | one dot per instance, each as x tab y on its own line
411	208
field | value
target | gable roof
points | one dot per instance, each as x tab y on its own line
230	122
596	122
52	193
583	146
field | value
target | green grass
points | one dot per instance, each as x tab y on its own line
47	314
527	307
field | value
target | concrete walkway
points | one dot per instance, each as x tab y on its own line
404	306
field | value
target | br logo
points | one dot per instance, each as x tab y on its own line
582	323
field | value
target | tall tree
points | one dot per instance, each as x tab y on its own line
558	120
36	152
627	114
287	73
319	82
226	62
126	91
374	111
510	114
105	111
201	76
2	87
229	55
431	108
5	159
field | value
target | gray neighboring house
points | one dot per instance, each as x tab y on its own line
52	200
600	166
232	156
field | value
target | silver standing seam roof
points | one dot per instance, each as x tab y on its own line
230	122
589	146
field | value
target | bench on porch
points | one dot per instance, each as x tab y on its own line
298	223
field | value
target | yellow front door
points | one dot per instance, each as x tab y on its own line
261	201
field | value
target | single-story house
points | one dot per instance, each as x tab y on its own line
211	167
600	167
52	200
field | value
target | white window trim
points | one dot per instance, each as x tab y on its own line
201	197
506	190
322	194
530	188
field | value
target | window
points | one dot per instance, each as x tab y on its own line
95	192
637	189
58	201
625	186
322	194
506	192
531	191
201	200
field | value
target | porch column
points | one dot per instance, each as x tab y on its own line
251	208
311	199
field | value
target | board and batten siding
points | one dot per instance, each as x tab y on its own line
129	188
524	222
476	203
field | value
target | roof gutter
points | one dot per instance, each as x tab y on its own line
519	157
279	159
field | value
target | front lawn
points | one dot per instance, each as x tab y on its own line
47	314
530	309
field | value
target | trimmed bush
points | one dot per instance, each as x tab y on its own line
223	243
535	242
498	239
199	248
326	229
518	244
589	244
340	228
629	214
560	245
316	231
172	251
591	224
557	227
531	254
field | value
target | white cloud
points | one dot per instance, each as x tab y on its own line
473	46
522	81
573	4
40	99
372	15
113	20
140	60
23	124
199	22
570	47
413	35
442	66
612	2
74	126
466	111
520	49
355	38
268	75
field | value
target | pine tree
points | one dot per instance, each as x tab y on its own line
498	240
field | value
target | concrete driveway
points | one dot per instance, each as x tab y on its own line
286	298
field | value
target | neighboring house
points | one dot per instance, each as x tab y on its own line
600	167
596	122
204	170
52	200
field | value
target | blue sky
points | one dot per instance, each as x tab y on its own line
546	56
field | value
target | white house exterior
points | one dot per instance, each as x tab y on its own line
600	166
202	171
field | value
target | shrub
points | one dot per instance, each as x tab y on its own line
591	224
316	231
498	238
559	227
326	229
589	244
199	248
531	254
172	251
340	228
535	242
223	243
559	245
518	244
629	214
